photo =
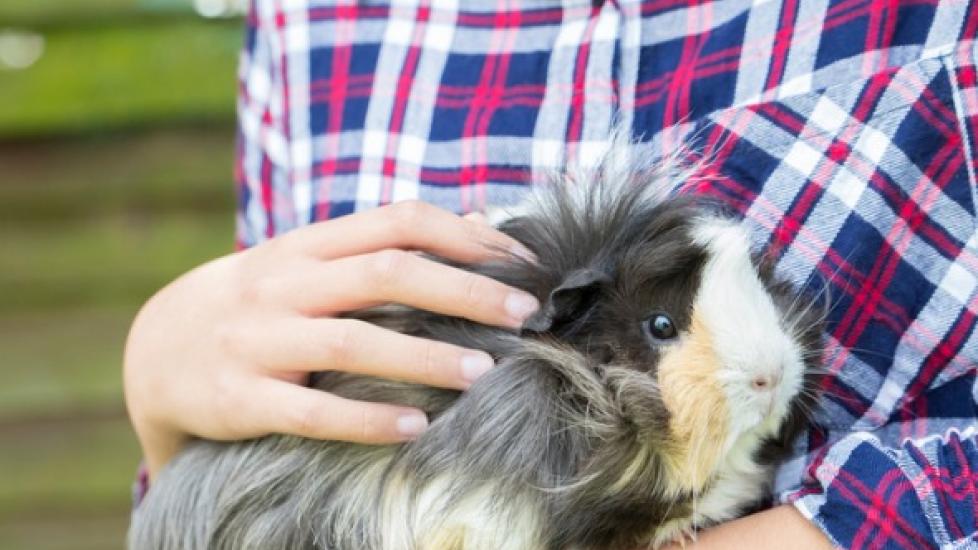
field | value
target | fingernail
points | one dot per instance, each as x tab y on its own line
520	305
475	365
412	424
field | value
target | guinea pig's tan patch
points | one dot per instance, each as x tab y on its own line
698	408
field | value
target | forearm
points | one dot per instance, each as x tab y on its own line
771	529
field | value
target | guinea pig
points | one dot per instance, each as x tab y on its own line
653	393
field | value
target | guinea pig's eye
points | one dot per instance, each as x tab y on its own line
661	327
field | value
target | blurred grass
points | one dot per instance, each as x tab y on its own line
138	207
65	484
146	173
38	486
115	177
115	260
47	9
61	363
130	77
64	353
72	281
46	13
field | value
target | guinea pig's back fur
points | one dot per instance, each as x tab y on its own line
568	443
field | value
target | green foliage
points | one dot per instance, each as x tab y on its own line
93	78
47	9
46	12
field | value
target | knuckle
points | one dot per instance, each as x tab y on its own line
226	403
365	424
247	291
411	213
227	335
385	266
341	343
262	289
476	289
304	418
283	244
430	354
475	233
236	338
486	238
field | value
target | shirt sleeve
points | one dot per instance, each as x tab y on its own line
264	206
924	494
140	486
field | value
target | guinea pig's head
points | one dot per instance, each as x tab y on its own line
700	348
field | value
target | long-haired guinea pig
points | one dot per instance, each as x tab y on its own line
652	394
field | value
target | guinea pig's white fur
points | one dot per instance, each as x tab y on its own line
591	432
758	367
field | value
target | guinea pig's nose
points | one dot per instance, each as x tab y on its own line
765	382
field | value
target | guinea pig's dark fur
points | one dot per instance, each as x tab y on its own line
666	373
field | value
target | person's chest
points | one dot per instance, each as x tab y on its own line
841	131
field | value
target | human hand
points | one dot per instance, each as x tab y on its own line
223	351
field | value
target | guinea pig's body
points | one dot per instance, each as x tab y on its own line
651	395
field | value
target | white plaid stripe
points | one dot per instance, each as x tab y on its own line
411	149
805	42
762	22
552	117
597	117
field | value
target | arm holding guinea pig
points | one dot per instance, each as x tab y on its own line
223	351
768	530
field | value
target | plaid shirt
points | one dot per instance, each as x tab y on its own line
844	131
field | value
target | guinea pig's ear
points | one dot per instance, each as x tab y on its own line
569	302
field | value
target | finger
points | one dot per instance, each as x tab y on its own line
352	345
306	412
477	217
358	282
409	225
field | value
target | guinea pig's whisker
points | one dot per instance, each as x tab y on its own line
808	411
818	369
812	354
867	351
790	312
824	393
822	296
797	316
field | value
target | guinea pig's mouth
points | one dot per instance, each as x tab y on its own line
768	406
759	404
776	406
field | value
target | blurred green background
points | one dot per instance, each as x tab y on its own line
116	142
